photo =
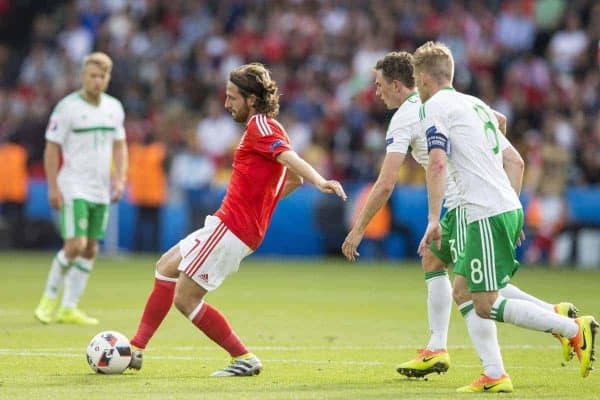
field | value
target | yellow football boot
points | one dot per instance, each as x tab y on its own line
425	363
486	384
583	343
45	310
73	315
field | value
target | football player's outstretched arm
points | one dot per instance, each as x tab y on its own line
51	164
300	167
380	193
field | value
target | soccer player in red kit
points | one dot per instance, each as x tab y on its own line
265	168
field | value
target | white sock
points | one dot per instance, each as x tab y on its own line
485	340
439	307
56	277
76	281
528	315
513	292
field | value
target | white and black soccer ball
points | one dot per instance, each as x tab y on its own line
109	352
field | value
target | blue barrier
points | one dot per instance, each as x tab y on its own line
37	206
294	228
584	204
409	210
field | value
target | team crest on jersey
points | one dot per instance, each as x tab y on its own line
276	144
389	141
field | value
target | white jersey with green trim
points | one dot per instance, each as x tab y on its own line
86	133
475	146
404	136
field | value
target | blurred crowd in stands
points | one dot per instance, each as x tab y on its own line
537	61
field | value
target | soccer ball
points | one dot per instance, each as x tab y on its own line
109	352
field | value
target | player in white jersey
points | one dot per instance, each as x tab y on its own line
461	131
395	86
86	128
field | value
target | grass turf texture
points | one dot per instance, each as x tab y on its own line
323	329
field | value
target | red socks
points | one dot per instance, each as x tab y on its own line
214	325
208	319
157	307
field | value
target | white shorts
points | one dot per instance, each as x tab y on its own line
211	253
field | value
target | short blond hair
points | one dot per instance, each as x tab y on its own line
436	59
99	59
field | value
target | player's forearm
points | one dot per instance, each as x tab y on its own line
300	167
120	160
51	163
514	166
436	175
379	195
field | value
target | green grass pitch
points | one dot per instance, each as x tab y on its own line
324	330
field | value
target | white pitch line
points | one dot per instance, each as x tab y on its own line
24	353
297	348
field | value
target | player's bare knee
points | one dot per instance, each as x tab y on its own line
91	249
75	247
482	308
182	303
167	267
431	263
460	295
460	292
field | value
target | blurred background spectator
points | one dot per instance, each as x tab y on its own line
13	190
537	61
147	189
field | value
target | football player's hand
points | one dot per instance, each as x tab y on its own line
350	245
117	190
333	187
55	197
521	238
433	233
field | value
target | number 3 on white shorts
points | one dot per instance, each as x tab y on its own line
476	273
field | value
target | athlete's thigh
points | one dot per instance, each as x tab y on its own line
168	262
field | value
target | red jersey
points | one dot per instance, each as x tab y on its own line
257	180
